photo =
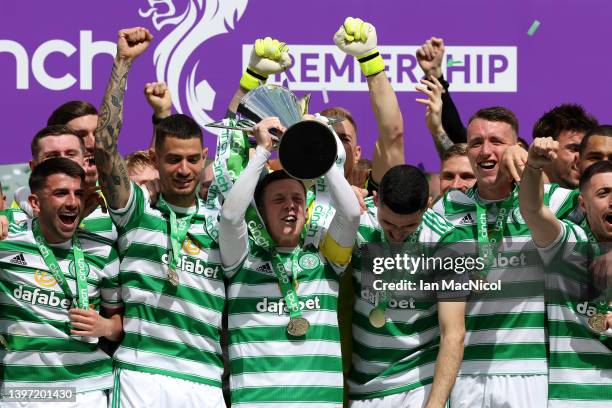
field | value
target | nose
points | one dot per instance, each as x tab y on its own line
183	168
72	201
457	182
485	149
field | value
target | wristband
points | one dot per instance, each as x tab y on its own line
371	63
252	79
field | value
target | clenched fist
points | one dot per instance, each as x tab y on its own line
158	97
269	56
132	42
358	38
542	151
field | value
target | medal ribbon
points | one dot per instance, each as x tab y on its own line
604	305
178	230
284	282
80	267
488	245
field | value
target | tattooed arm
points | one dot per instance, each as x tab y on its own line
112	171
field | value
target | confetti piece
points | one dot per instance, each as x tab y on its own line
533	27
451	62
325	96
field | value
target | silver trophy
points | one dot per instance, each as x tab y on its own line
307	149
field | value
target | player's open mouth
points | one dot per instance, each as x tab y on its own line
68	219
608	220
487	165
289	219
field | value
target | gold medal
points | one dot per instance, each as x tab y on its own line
298	326
377	317
597	323
173	277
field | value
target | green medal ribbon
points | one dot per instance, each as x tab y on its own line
178	230
604	305
285	282
488	245
298	326
80	266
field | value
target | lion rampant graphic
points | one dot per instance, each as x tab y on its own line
200	21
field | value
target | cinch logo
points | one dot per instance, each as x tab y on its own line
315	218
87	50
317	67
44	279
40	297
256	233
280	307
197	267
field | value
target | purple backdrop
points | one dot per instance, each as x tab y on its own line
47	57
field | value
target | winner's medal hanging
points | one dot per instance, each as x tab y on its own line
178	232
597	322
377	316
81	270
488	244
298	325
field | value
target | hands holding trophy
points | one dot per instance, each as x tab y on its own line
307	148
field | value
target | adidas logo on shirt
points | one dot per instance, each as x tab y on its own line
265	268
467	219
19	260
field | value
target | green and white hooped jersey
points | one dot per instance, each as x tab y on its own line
173	331
100	223
505	335
270	368
36	348
401	355
580	362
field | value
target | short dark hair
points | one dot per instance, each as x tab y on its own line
601	130
53	130
404	189
269	179
71	110
179	126
498	114
566	117
54	165
604	166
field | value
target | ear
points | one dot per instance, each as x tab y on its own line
32	164
153	156
204	153
429	203
33	201
581	202
375	198
357	153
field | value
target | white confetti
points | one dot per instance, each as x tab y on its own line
325	96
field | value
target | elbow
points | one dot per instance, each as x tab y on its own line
229	217
454	337
395	131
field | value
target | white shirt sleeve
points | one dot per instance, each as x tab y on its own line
233	233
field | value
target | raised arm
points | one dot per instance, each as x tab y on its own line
433	113
111	169
158	97
430	56
545	227
233	234
269	56
358	38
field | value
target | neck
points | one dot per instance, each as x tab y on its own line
49	236
497	191
180	201
289	242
